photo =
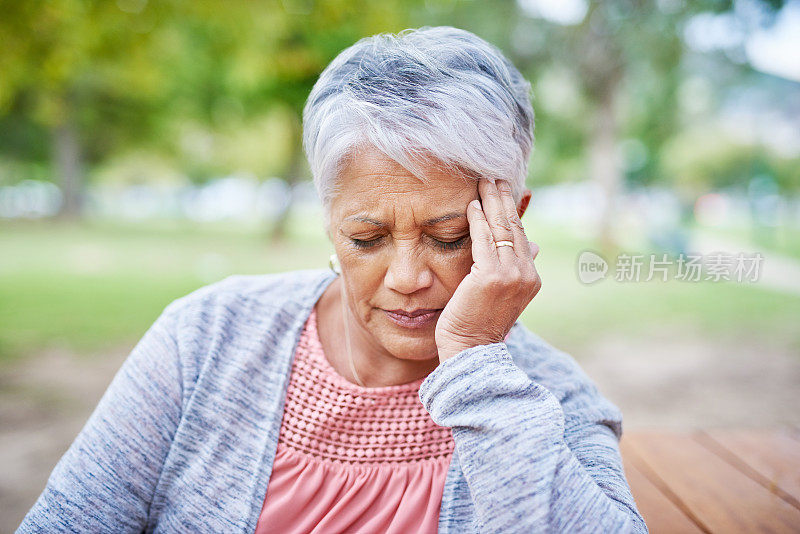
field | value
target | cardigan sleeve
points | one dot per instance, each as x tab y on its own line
529	467
106	479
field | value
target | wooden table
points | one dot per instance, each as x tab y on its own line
724	481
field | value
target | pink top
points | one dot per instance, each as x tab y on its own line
353	458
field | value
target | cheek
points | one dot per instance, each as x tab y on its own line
363	274
451	268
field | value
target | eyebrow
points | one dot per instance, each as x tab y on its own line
429	222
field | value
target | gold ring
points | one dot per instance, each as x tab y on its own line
499	244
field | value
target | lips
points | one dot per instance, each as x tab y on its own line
415	313
413	319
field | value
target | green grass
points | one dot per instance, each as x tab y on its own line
93	286
571	314
783	239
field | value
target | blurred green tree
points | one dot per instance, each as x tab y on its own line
79	77
626	57
101	77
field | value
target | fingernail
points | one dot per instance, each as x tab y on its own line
475	204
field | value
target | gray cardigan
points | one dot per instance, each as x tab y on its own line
184	438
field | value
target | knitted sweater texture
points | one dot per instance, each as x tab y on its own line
184	438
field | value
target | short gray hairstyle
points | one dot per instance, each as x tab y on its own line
438	92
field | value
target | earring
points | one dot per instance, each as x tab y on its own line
333	263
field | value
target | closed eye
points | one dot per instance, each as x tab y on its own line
365	243
438	243
451	245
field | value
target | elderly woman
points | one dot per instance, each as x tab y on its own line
397	393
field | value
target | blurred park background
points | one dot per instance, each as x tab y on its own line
150	148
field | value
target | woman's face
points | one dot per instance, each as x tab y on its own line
403	246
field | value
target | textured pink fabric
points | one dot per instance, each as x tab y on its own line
351	458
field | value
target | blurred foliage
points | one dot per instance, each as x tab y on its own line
144	91
705	159
214	90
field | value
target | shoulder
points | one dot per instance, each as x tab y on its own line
561	374
238	320
253	293
241	308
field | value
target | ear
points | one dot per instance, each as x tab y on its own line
523	203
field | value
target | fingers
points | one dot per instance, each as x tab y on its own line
534	248
521	246
495	214
484	253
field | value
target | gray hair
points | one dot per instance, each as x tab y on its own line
433	94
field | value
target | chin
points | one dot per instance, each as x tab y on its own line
411	348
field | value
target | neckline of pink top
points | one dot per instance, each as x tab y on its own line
353	458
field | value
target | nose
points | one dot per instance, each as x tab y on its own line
407	272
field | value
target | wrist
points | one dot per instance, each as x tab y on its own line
447	352
486	347
450	349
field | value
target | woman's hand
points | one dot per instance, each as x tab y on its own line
502	282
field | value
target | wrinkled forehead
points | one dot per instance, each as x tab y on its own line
373	185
